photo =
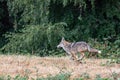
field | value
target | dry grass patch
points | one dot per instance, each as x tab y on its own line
35	67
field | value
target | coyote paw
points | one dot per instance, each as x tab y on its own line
71	58
79	59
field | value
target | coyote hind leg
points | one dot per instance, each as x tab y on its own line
89	54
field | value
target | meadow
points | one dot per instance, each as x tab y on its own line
30	31
19	67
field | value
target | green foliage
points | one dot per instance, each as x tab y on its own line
1	78
18	77
62	76
27	12
34	39
98	77
79	79
36	26
85	76
114	76
4	19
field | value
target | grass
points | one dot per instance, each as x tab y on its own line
60	76
18	77
55	68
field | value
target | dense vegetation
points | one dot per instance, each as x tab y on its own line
36	26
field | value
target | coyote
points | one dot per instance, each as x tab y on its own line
76	47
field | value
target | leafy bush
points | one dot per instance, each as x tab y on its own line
34	39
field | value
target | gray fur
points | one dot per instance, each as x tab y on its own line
76	47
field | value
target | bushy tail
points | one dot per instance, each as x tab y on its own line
93	50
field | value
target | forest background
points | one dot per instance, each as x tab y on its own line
37	26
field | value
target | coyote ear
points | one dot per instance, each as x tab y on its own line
63	38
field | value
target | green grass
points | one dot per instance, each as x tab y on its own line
60	76
18	77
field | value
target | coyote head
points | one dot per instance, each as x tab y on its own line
61	44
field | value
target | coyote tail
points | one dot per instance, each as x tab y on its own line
93	50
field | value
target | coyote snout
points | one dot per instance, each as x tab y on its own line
76	47
60	45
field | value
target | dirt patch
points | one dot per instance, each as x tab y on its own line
34	67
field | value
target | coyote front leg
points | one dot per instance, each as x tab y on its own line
81	57
73	56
